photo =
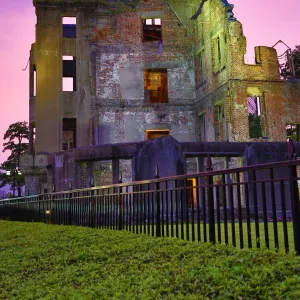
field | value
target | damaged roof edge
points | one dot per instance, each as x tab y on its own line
226	4
82	2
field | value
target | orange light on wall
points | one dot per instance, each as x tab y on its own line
191	192
156	133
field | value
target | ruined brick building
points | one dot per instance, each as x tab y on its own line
104	72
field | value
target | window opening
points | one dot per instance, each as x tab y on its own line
69	27
254	116
293	132
156	85
69	134
219	50
34	81
152	30
69	74
156	133
219	122
202	124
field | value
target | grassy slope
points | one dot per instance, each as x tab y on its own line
60	262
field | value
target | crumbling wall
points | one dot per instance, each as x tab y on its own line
230	83
119	58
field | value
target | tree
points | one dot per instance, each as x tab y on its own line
14	141
286	71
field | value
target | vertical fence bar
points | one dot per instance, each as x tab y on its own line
248	215
198	209
172	212
181	213
187	210
149	209
204	214
193	212
176	209
265	216
274	215
256	209
167	210
283	208
211	209
157	192
239	202
294	194
217	189
120	199
225	208
231	199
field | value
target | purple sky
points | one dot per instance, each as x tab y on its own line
264	21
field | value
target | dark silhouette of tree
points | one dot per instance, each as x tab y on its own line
286	71
14	141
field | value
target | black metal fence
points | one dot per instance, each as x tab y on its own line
256	206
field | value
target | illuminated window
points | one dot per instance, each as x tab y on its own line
69	27
34	80
156	85
156	133
69	74
152	30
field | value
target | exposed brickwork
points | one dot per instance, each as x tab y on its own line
208	81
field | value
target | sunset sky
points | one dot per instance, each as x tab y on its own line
264	22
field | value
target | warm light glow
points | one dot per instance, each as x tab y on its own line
148	21
8	173
47	212
156	133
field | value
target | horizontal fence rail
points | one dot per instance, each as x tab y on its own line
254	207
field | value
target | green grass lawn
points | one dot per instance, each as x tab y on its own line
40	261
281	245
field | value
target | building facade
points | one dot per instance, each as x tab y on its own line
107	72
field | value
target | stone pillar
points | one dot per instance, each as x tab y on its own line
116	171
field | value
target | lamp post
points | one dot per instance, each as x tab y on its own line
13	173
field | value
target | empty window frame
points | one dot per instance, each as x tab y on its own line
219	122
200	68
156	85
156	133
69	74
69	27
219	51
202	127
69	134
293	132
33	82
152	30
254	117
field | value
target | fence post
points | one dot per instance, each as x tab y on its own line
157	186
70	204
52	219
294	193
211	209
120	204
92	211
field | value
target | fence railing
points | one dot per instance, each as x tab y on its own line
256	206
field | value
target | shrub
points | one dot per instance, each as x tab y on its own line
64	262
